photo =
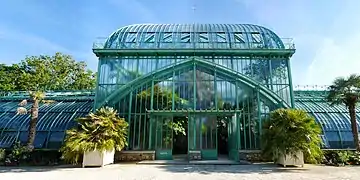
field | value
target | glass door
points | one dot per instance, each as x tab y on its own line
202	130
163	137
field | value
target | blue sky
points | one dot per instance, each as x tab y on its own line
326	32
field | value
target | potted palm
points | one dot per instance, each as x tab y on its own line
289	135
96	138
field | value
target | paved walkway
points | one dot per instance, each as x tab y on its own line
168	172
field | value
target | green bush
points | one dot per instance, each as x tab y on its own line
288	131
18	154
341	157
103	130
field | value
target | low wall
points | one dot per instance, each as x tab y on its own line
252	156
134	156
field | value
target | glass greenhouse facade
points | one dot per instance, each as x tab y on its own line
194	89
203	75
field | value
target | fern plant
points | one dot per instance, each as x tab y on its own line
102	131
288	131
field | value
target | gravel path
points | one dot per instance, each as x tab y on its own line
161	172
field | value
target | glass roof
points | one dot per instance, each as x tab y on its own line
201	36
334	120
54	119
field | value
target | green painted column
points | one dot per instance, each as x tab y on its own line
194	103
290	83
97	85
270	74
129	118
259	113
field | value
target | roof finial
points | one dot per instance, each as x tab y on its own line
194	9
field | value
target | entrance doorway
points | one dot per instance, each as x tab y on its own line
223	136
176	137
180	137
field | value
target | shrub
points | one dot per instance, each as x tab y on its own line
288	131
341	157
19	154
102	131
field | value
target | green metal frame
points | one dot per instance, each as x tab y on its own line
167	72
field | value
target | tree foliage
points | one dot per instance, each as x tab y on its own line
103	130
44	73
347	91
38	74
288	131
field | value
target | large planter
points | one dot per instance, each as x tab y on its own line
290	160
98	159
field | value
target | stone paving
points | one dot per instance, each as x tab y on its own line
188	172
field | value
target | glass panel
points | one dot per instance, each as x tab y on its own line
131	37
208	131
7	139
239	38
185	37
167	37
55	140
164	135
256	37
39	141
203	37
220	37
149	38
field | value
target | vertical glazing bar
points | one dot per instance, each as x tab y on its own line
156	121
215	91
237	119
97	92
194	121
137	66
270	74
244	122
140	118
152	94
251	66
129	118
259	113
146	120
249	119
173	86
290	83
150	132
135	118
194	85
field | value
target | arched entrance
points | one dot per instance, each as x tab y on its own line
202	94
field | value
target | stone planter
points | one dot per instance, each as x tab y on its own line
98	159
290	160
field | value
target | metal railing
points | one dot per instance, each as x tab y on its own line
48	93
100	43
311	87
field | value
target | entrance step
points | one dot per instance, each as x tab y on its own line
201	162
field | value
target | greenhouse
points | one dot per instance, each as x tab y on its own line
200	90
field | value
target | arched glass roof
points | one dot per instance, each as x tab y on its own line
227	36
54	119
334	120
